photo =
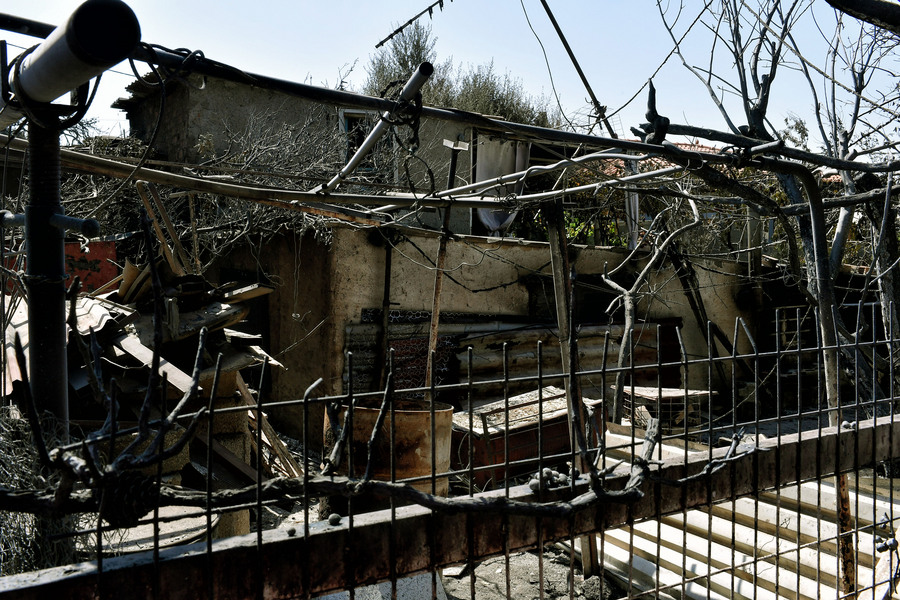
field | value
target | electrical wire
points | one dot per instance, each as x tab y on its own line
161	84
546	62
665	60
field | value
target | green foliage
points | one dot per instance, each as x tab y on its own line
400	59
473	88
482	90
795	133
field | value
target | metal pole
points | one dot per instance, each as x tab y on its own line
45	276
97	35
562	288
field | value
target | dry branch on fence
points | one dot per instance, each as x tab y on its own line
44	502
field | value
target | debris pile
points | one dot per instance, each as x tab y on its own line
163	312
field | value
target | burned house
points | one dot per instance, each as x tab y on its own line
361	297
363	289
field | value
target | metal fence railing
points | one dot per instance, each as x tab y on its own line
753	487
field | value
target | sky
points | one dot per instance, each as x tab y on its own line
620	44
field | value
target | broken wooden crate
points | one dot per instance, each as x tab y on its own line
678	410
535	424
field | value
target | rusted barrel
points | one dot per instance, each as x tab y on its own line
412	447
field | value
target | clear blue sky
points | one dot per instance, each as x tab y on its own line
620	44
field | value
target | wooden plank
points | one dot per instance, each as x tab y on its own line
639	573
129	274
810	528
670	442
132	346
195	241
623	447
669	571
117	279
811	498
719	554
247	292
284	456
232	461
804	560
164	246
215	315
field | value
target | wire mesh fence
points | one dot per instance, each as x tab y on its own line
757	485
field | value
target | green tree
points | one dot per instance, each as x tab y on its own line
396	61
474	88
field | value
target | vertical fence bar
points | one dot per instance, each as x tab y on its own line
859	412
210	422
392	431
779	419
304	554
601	552
845	526
876	411
629	335
540	466
159	471
506	473
710	353
891	463
470	526
735	406
260	575
349	574
431	522
684	512
656	486
756	437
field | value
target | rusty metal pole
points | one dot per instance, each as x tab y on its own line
97	35
381	361
562	288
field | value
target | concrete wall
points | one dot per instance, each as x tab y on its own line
200	114
323	287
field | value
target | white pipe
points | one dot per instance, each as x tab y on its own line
408	92
486	184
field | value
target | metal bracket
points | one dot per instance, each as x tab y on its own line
89	228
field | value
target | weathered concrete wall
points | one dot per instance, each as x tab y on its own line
301	323
323	287
720	287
